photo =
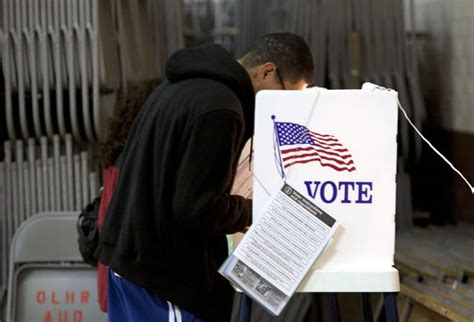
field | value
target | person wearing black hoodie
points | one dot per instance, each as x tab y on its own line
164	236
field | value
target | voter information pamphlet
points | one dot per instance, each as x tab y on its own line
279	249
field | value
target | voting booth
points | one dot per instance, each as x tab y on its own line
323	198
324	167
339	149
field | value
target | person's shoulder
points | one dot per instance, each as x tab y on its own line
210	88
209	94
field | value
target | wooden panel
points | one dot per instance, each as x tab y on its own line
437	269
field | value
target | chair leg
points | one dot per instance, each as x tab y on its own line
244	308
367	307
390	304
333	308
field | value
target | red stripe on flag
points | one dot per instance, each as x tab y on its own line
327	136
326	143
323	138
342	156
322	163
299	156
321	146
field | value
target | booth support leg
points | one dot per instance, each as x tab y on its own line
390	304
244	308
333	308
315	314
367	307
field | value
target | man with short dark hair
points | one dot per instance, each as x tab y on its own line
287	53
164	236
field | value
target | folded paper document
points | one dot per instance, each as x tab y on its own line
279	249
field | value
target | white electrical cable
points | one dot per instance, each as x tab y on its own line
434	149
373	87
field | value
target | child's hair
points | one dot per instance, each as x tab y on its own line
127	109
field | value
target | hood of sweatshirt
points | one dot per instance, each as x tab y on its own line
214	62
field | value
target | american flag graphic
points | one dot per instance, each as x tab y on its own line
298	145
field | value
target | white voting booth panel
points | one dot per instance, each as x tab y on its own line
338	148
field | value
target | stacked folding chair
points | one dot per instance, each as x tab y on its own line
210	21
47	279
353	42
62	64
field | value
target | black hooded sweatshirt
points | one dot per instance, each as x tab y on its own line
166	223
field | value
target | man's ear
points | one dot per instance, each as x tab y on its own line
266	70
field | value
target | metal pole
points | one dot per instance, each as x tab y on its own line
245	308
